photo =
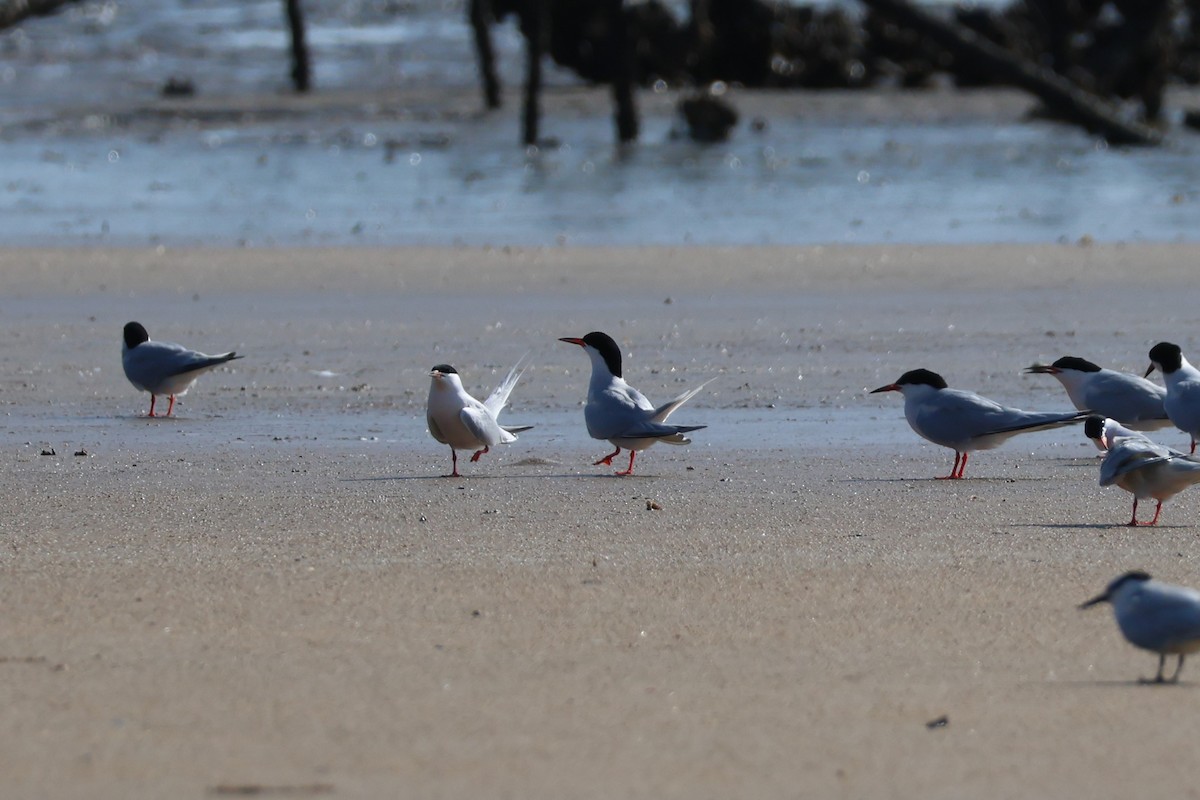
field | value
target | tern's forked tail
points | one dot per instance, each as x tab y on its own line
498	399
666	409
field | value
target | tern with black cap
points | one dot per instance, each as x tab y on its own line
1155	616
457	419
1141	467
1129	399
1183	388
620	413
163	368
962	420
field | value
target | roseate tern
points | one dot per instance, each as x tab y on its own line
1155	616
1129	399
163	367
1183	388
620	413
964	421
459	420
1140	466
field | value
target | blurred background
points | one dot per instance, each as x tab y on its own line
178	122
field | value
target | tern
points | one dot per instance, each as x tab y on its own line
1155	616
1129	399
1140	466
964	421
620	413
162	367
459	420
1183	388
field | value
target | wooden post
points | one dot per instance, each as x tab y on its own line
535	39
301	71
480	13
622	72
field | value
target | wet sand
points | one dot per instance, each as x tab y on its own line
275	591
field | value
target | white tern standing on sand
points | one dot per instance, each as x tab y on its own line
1140	466
163	368
964	421
620	413
459	420
1129	399
1155	616
1183	388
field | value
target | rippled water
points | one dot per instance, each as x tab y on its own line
340	176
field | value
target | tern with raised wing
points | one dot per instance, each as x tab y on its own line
620	413
457	419
1141	467
962	420
163	368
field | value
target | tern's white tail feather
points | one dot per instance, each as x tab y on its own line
499	397
508	433
666	409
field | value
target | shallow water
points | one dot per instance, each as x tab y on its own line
352	176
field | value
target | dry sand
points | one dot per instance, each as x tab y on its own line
275	592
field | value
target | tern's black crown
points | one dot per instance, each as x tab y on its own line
135	334
445	369
1080	364
1093	426
1168	356
918	377
608	350
1133	576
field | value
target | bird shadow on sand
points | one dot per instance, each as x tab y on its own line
954	481
1103	526
1114	684
538	476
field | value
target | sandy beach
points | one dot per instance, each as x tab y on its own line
276	593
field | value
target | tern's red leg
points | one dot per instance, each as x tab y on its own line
1157	511
454	462
151	414
607	459
956	470
1193	447
629	471
1133	523
478	453
171	405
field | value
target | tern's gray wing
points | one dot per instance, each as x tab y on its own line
1132	454
152	362
956	415
483	426
1164	617
1183	406
1126	398
656	430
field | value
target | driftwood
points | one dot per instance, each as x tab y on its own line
1057	92
13	11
